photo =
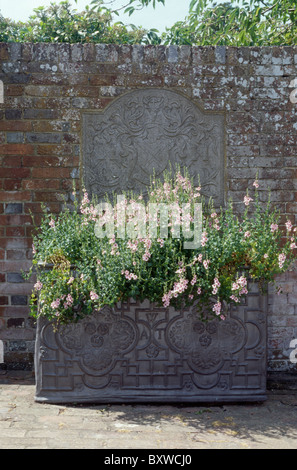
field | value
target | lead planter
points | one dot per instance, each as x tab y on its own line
135	352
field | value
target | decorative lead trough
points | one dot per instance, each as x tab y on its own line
136	352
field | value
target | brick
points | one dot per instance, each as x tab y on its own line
17	149
22	126
13	208
11	184
15	231
16	288
3	300
33	184
41	114
15	137
14	219
12	161
15	195
19	300
16	323
16	173
15	254
14	277
44	137
13	114
50	173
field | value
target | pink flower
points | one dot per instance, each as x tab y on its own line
247	199
256	184
215	285
166	299
161	241
199	290
217	308
71	279
194	280
93	295
33	249
204	239
55	304
146	256
247	234
206	263
281	260
289	225
242	281
52	223
266	256
233	297
273	227
38	285
69	299
243	291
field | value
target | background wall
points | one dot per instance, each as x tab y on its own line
46	89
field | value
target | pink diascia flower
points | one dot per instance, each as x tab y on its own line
281	260
52	223
216	285
217	308
93	295
194	280
71	279
38	285
247	199
266	256
206	263
242	281
55	304
146	256
204	239
166	299
247	234
256	184
273	227
289	225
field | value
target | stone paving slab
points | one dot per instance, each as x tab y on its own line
25	424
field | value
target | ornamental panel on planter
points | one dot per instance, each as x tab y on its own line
147	131
137	352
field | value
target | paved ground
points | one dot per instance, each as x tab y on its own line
25	424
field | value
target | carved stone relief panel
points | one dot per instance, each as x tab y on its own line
147	131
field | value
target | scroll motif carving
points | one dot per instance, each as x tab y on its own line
145	132
142	352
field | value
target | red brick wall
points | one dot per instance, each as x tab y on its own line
48	86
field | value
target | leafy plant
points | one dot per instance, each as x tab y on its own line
99	255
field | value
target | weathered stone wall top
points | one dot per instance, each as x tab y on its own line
49	87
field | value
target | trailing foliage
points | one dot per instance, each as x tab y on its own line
91	268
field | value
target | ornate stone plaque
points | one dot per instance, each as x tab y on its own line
137	352
146	131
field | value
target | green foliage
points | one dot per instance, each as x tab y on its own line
81	266
233	23
61	23
237	23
